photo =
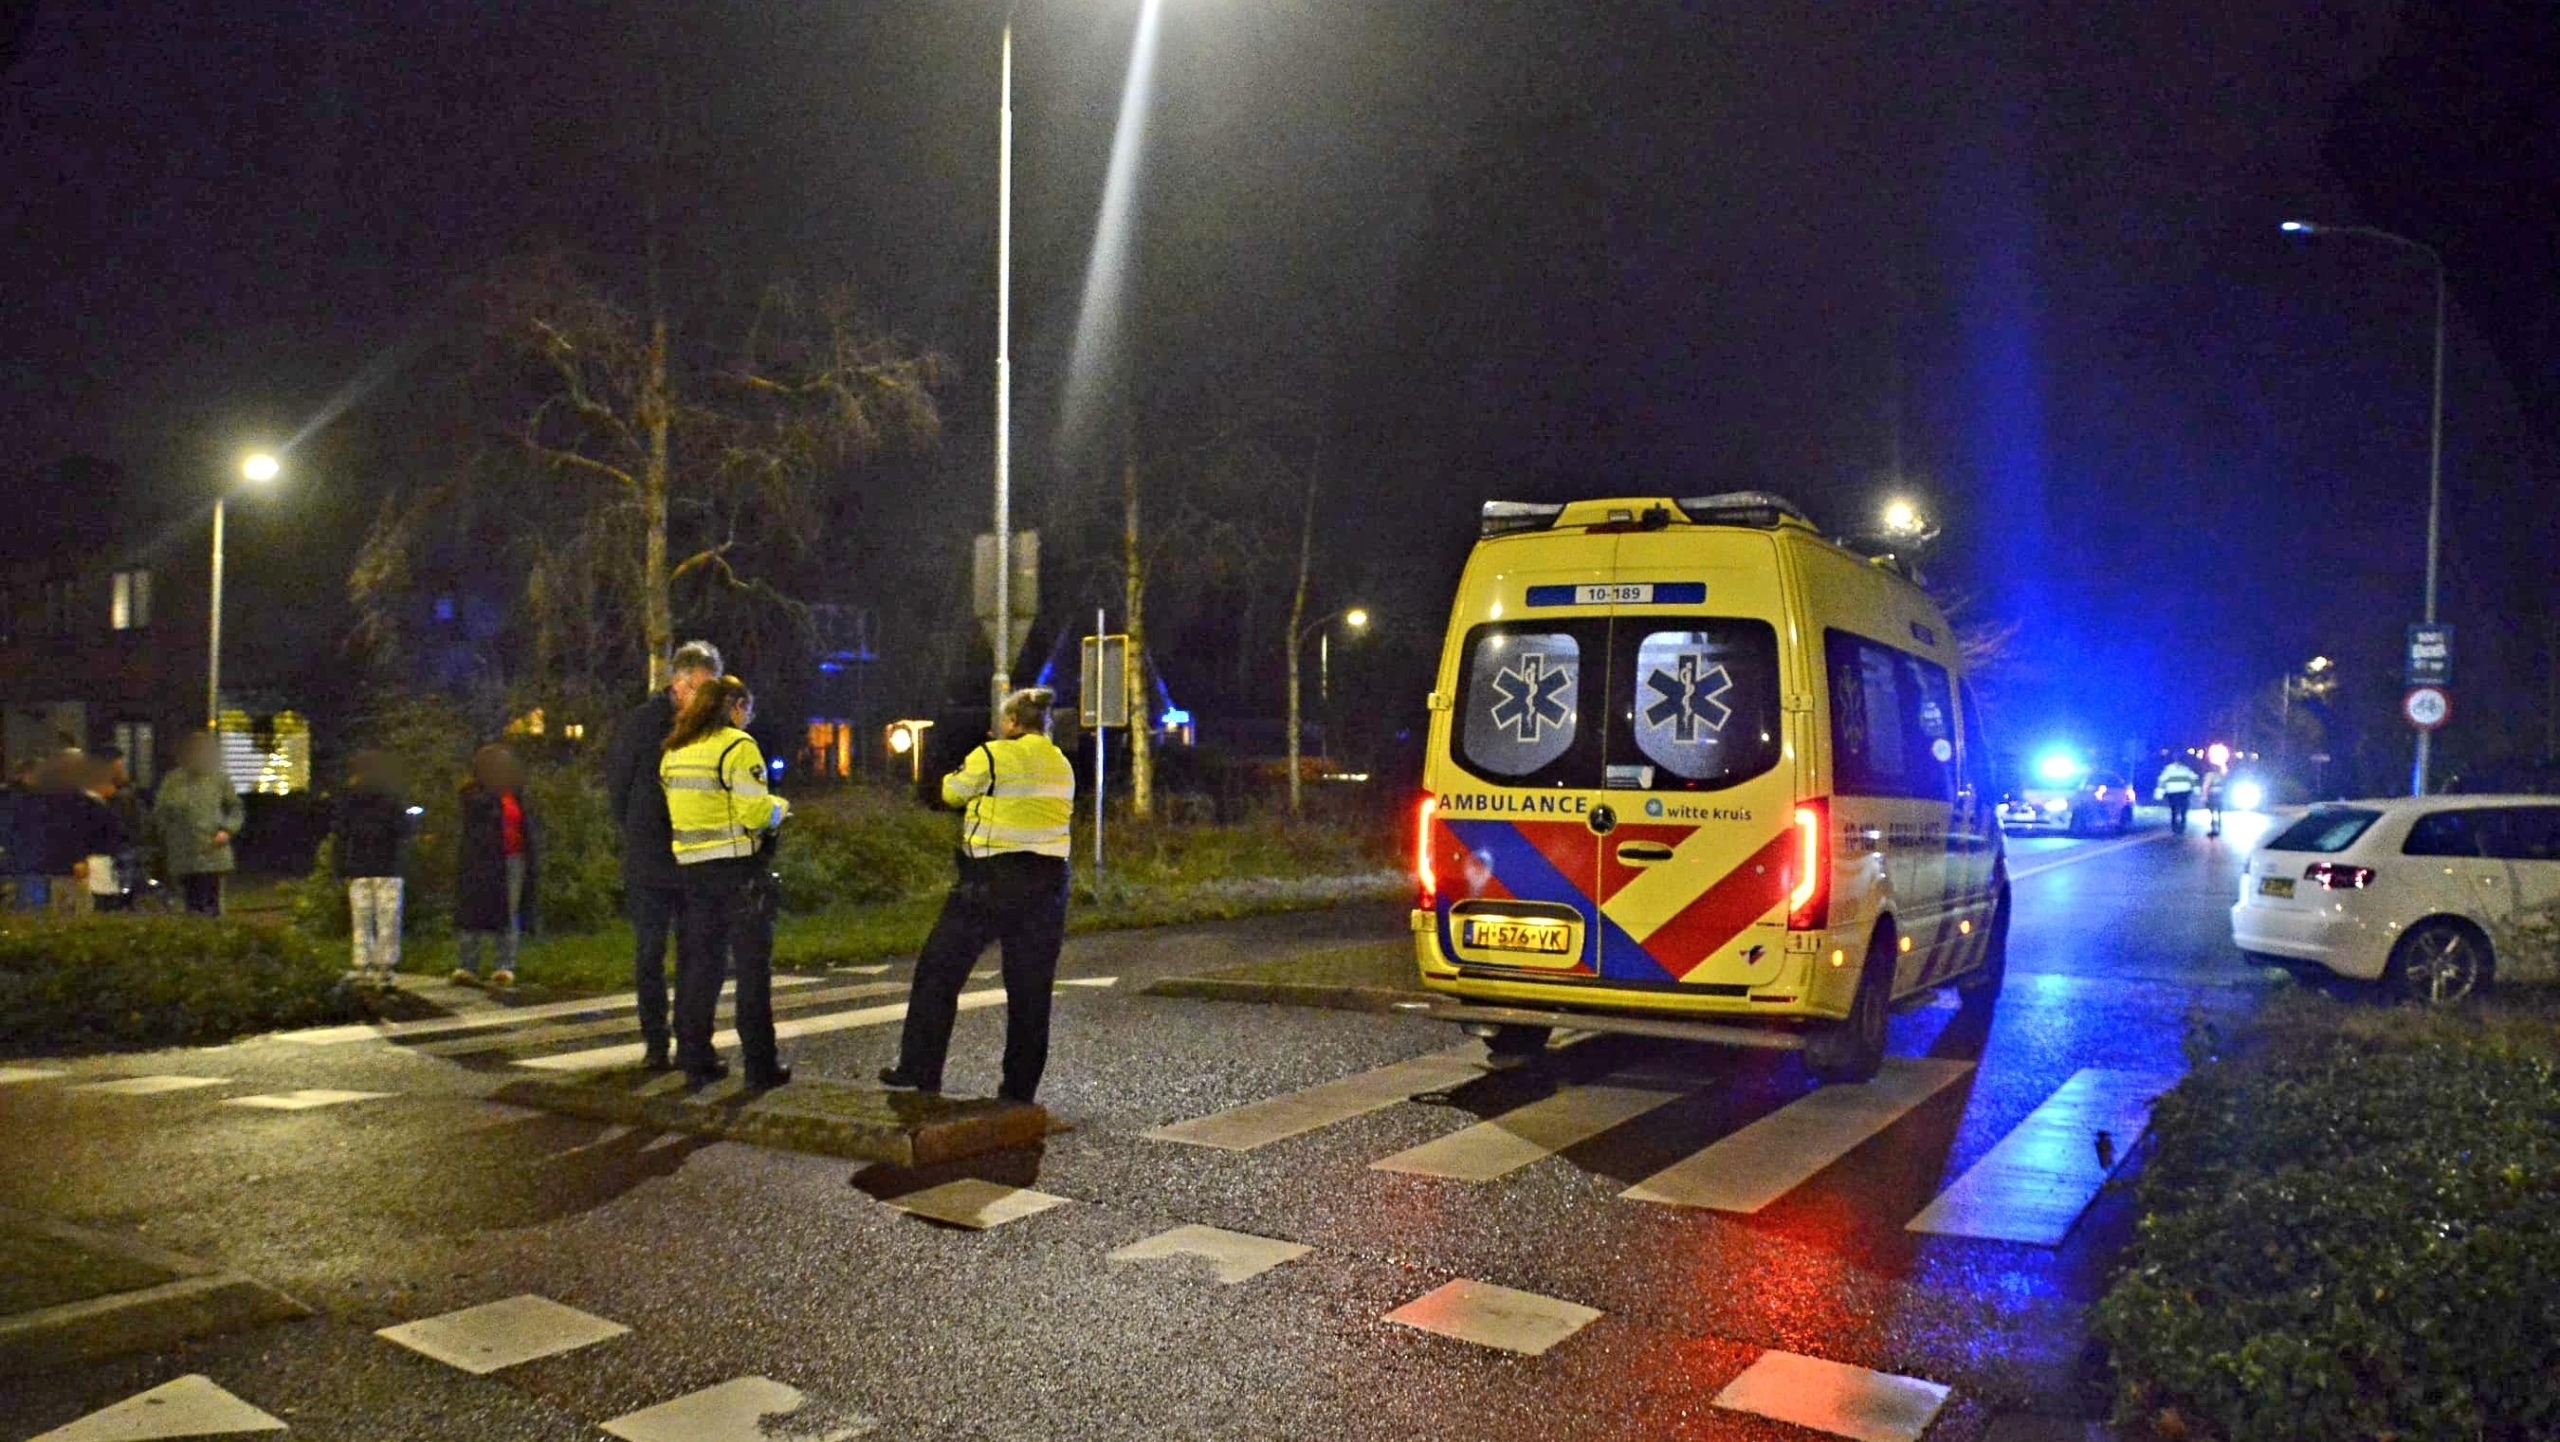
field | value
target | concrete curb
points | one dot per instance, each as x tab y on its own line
813	1114
1286	993
201	1301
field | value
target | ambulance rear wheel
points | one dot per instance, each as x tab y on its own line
1515	1046
1852	1048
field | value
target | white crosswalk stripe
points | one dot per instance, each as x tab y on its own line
604	1056
2033	1185
542	1036
1502	1145
1778	1153
1258	1124
1834	1397
489	1016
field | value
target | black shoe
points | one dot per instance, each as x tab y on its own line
707	1072
765	1080
905	1080
1014	1097
655	1059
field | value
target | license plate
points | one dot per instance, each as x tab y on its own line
1546	938
2275	886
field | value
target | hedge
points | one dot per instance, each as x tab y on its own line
159	980
2350	1231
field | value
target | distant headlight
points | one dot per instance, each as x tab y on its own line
2247	795
2057	807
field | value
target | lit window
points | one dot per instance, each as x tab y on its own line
444	608
129	608
273	759
135	740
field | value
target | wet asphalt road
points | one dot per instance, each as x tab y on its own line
725	1260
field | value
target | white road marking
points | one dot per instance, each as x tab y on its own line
191	1406
490	1016
150	1086
1235	1256
976	1204
1831	1397
2034	1184
625	1055
539	1036
483	1339
1090	981
734	1411
12	1075
303	1100
1774	1155
1506	1143
2083	853
877	969
1497	1317
1257	1124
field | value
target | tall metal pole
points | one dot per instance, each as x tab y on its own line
1003	679
213	638
1101	650
2435	506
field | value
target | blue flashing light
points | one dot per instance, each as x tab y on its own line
2059	766
2296	227
831	667
1174	716
777	764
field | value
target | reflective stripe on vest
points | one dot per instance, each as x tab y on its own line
717	803
1020	796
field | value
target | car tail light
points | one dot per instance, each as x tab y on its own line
1426	882
1808	871
2337	876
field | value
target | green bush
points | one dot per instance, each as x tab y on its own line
857	847
2349	1232
160	980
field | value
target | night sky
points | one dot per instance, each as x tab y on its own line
1528	250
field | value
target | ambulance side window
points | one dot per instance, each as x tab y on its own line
1522	699
1892	721
1977	751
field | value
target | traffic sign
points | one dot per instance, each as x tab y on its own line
2430	655
2427	707
1102	693
1022	596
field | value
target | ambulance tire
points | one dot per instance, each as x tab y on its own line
1516	1046
1981	986
1852	1048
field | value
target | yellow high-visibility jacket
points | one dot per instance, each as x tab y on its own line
1019	795
717	802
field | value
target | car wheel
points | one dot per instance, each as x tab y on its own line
1852	1048
1515	1046
1981	986
2439	963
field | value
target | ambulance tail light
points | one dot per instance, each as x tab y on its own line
1426	882
1808	869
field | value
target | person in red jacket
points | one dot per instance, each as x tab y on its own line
498	867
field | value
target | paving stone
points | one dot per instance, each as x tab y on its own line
743	1409
495	1335
1235	1256
1834	1397
1499	1317
975	1204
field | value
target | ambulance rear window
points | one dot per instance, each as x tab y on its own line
1659	703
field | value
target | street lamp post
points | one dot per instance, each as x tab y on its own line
1002	682
1357	618
259	468
2435	439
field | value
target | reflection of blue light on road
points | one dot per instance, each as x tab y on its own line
2058	766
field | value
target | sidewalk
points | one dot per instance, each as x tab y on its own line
70	1295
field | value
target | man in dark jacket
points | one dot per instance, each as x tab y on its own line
652	891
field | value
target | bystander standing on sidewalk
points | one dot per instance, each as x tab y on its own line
105	838
497	872
197	816
375	822
126	875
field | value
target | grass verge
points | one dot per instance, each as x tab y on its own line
2352	1220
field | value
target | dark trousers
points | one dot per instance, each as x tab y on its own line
2178	810
204	892
1019	900
724	921
653	909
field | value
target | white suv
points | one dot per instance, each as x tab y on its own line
2434	896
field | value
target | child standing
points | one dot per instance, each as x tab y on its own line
374	824
500	848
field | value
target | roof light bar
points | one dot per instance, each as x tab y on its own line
1501	518
1759	509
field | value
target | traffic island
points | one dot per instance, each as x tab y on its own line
1367	976
71	1296
812	1114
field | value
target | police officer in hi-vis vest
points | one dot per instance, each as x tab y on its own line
1018	794
720	813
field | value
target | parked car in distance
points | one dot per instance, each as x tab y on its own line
2091	802
2436	897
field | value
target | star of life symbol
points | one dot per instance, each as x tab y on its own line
1689	697
1530	697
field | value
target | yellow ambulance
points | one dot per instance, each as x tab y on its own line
1695	770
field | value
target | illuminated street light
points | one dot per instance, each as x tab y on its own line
2435	437
1356	618
1901	517
906	738
258	467
1319	630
